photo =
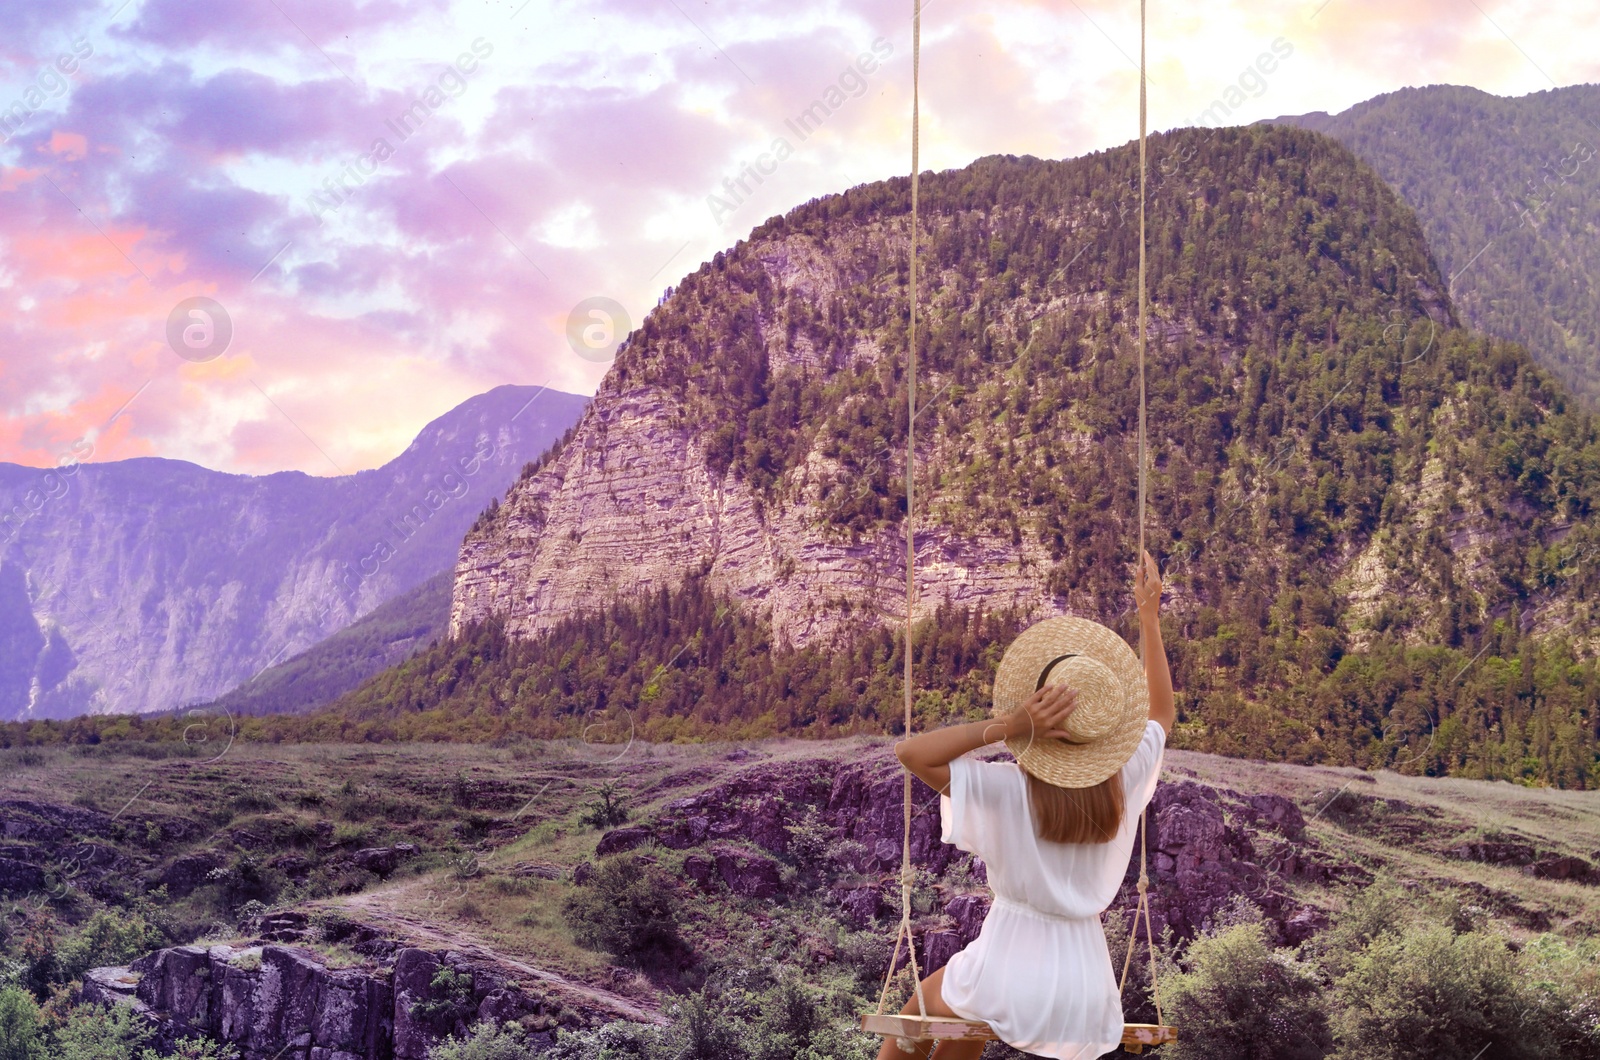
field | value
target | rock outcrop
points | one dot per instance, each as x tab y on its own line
1208	848
283	1002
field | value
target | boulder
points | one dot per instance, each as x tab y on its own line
1570	868
701	869
105	986
177	983
860	905
283	1003
686	832
19	877
188	872
1494	850
747	874
247	840
620	839
354	1015
938	947
968	911
414	970
43	822
1277	813
865	804
1302	924
381	861
119	986
283	927
1201	863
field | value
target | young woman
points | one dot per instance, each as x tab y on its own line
1055	829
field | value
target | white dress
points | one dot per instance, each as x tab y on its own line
1039	971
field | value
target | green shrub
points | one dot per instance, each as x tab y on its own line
106	938
1426	991
194	1049
21	1034
451	1000
787	1022
701	1030
866	954
489	1041
1564	979
95	1033
1381	907
1240	999
617	1040
607	809
627	909
246	880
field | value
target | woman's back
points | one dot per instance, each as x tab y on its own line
987	814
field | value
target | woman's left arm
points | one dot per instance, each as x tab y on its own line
1158	677
928	755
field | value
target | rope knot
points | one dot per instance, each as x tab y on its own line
1143	884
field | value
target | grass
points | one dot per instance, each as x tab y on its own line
475	813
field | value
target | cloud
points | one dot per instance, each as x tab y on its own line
575	159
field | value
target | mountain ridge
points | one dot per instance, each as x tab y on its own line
152	583
1505	188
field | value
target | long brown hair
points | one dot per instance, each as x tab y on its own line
1076	815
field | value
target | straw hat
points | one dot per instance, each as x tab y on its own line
1112	707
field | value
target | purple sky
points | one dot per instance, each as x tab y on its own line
533	157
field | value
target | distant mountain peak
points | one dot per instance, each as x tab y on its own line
166	583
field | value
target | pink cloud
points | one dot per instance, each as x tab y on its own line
69	146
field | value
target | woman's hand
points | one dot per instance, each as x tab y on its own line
1147	588
1041	714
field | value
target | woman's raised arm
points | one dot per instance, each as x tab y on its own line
1147	593
928	755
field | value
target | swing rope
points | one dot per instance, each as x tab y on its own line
1144	815
907	876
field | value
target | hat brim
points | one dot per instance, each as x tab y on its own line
1052	759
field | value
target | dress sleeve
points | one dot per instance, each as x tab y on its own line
1142	771
972	815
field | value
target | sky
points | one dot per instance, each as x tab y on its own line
267	235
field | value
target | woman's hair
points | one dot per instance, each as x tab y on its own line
1076	815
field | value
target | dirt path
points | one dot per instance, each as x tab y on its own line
371	907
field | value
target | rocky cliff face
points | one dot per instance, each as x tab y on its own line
635	506
283	1001
152	584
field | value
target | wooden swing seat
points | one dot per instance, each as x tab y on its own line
1135	1036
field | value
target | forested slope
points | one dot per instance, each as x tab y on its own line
1507	191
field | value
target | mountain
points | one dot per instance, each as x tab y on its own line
151	584
1377	527
384	637
1507	191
